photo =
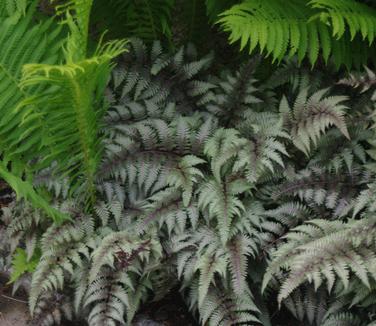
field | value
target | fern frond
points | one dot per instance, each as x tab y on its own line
239	250
185	175
18	146
108	297
342	319
166	208
13	9
64	100
118	278
118	244
76	15
224	308
154	75
320	250
236	93
308	305
317	187
146	19
202	255
337	152
146	153
221	201
364	81
278	28
63	249
312	115
52	309
345	14
253	156
23	226
364	200
277	222
274	27
359	294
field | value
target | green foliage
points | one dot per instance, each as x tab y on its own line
57	114
195	181
342	31
13	10
76	107
21	264
215	7
146	19
18	144
279	28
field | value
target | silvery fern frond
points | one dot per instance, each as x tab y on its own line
320	250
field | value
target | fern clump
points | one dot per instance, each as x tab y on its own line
190	178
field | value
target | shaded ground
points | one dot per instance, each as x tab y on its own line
13	313
13	310
170	311
6	194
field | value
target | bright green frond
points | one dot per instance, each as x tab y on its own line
278	28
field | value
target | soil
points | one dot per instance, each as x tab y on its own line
13	313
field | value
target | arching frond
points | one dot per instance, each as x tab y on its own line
63	248
321	251
278	28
